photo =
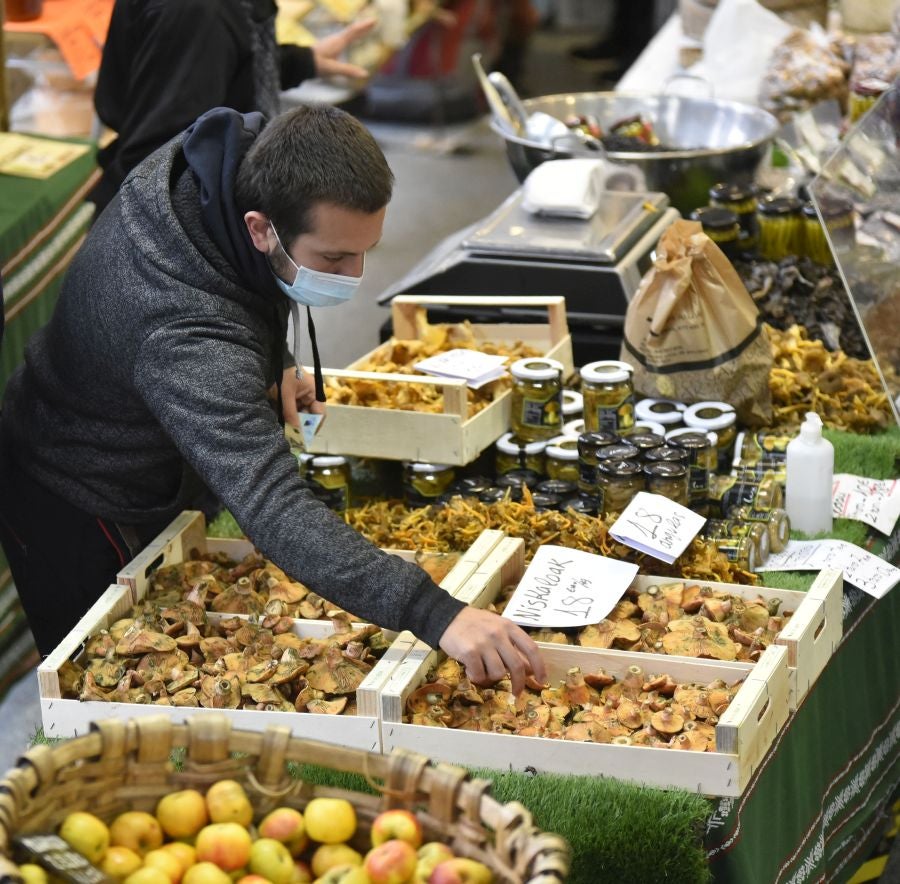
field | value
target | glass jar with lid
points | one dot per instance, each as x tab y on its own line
618	481
645	442
573	427
608	396
511	453
661	411
667	454
722	227
589	447
740	199
572	405
721	418
726	528
739	551
536	398
775	520
561	457
560	487
424	483
728	492
863	95
648	427
701	457
330	475
760	448
668	479
780	227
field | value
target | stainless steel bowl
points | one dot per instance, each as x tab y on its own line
714	140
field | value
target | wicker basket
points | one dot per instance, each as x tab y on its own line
126	766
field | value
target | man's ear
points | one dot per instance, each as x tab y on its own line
260	230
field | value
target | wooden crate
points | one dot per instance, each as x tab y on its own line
743	734
69	718
451	437
811	635
187	532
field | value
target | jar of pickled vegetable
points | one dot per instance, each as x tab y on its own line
667	454
661	411
722	227
470	486
863	95
756	531
775	520
780	227
701	457
511	453
838	222
645	442
648	427
572	405
728	492
536	399
589	447
608	396
740	199
760	448
562	458
720	417
425	482
618	481
560	487
330	475
668	479
573	427
739	551
515	480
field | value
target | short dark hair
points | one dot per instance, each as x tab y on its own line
312	155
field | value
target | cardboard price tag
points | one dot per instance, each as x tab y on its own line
657	526
475	368
568	587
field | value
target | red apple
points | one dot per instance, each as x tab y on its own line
393	862
286	825
460	870
429	856
400	824
225	844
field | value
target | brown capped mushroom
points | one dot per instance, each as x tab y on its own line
699	637
754	616
623	610
220	692
184	697
599	678
90	690
667	722
138	640
716	609
610	633
692	599
106	671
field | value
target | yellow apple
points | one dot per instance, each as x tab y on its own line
330	820
205	873
182	814
120	862
85	834
148	875
393	862
252	879
302	873
227	802
345	875
286	825
461	870
186	854
401	824
225	844
429	855
167	861
328	856
136	830
271	859
33	874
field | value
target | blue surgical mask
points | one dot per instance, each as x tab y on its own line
314	288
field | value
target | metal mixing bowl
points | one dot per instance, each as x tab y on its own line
713	140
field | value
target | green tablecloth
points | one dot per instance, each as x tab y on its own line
42	223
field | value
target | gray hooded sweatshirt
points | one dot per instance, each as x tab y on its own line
151	379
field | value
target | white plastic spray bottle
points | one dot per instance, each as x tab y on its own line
810	472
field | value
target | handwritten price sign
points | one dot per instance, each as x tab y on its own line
568	587
655	525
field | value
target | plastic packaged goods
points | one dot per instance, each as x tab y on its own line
561	458
608	395
511	453
331	477
424	483
719	417
668	479
536	398
661	411
810	473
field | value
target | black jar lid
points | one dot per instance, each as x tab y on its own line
492	495
518	478
690	441
580	504
620	468
559	487
731	192
590	443
715	218
618	451
665	470
545	501
471	486
779	206
646	441
667	454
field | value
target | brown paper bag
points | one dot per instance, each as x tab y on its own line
692	331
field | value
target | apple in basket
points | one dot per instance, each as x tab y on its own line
400	824
286	825
429	855
272	860
330	856
330	820
136	830
182	814
461	870
206	873
393	862
227	802
85	834
345	875
225	844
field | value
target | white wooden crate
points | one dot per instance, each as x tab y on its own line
69	718
743	734
811	635
451	437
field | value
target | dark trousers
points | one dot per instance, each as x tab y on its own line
62	558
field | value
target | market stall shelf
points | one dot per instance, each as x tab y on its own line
64	717
810	635
743	733
451	437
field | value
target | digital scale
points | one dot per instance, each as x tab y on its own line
597	264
